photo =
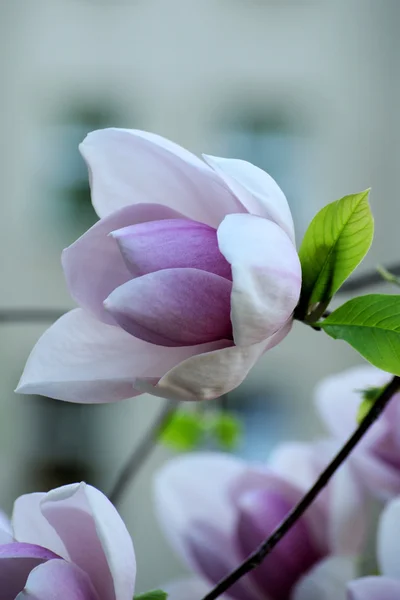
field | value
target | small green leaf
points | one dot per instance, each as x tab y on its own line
226	428
153	595
371	324
336	241
184	432
369	397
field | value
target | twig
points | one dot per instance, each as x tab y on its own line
359	282
256	558
142	451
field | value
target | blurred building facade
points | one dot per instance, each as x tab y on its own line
307	89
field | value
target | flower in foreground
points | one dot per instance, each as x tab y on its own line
216	509
386	586
189	276
377	457
67	544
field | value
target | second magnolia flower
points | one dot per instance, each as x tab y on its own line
189	276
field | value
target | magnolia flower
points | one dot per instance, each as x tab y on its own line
69	543
216	509
377	456
387	586
190	275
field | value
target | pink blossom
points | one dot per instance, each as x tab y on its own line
69	543
189	276
216	509
386	586
377	457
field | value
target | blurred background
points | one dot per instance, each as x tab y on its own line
309	90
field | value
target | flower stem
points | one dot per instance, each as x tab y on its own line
256	558
142	451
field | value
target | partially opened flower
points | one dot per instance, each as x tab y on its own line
216	510
377	457
67	544
190	275
386	586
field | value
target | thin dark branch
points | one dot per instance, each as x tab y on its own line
30	315
359	282
256	558
142	451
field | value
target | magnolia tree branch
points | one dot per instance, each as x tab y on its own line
142	451
256	558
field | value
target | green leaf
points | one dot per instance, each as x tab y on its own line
336	241
371	324
369	397
153	595
184	432
226	428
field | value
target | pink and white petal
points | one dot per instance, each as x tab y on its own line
30	526
198	522
131	167
266	276
210	374
191	588
196	488
388	540
338	397
95	538
58	580
174	307
373	588
347	512
16	562
80	359
296	461
93	265
171	243
327	580
257	191
381	479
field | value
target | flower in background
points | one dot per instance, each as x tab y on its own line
216	509
377	456
387	586
190	275
69	543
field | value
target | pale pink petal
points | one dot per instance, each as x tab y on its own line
381	479
192	497
192	588
174	307
260	512
171	243
388	540
58	580
266	276
131	167
296	461
210	374
93	265
95	538
327	581
373	588
16	562
30	526
256	190
80	359
338	397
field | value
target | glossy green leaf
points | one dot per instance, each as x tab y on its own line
226	429
371	324
184	432
153	595
336	241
